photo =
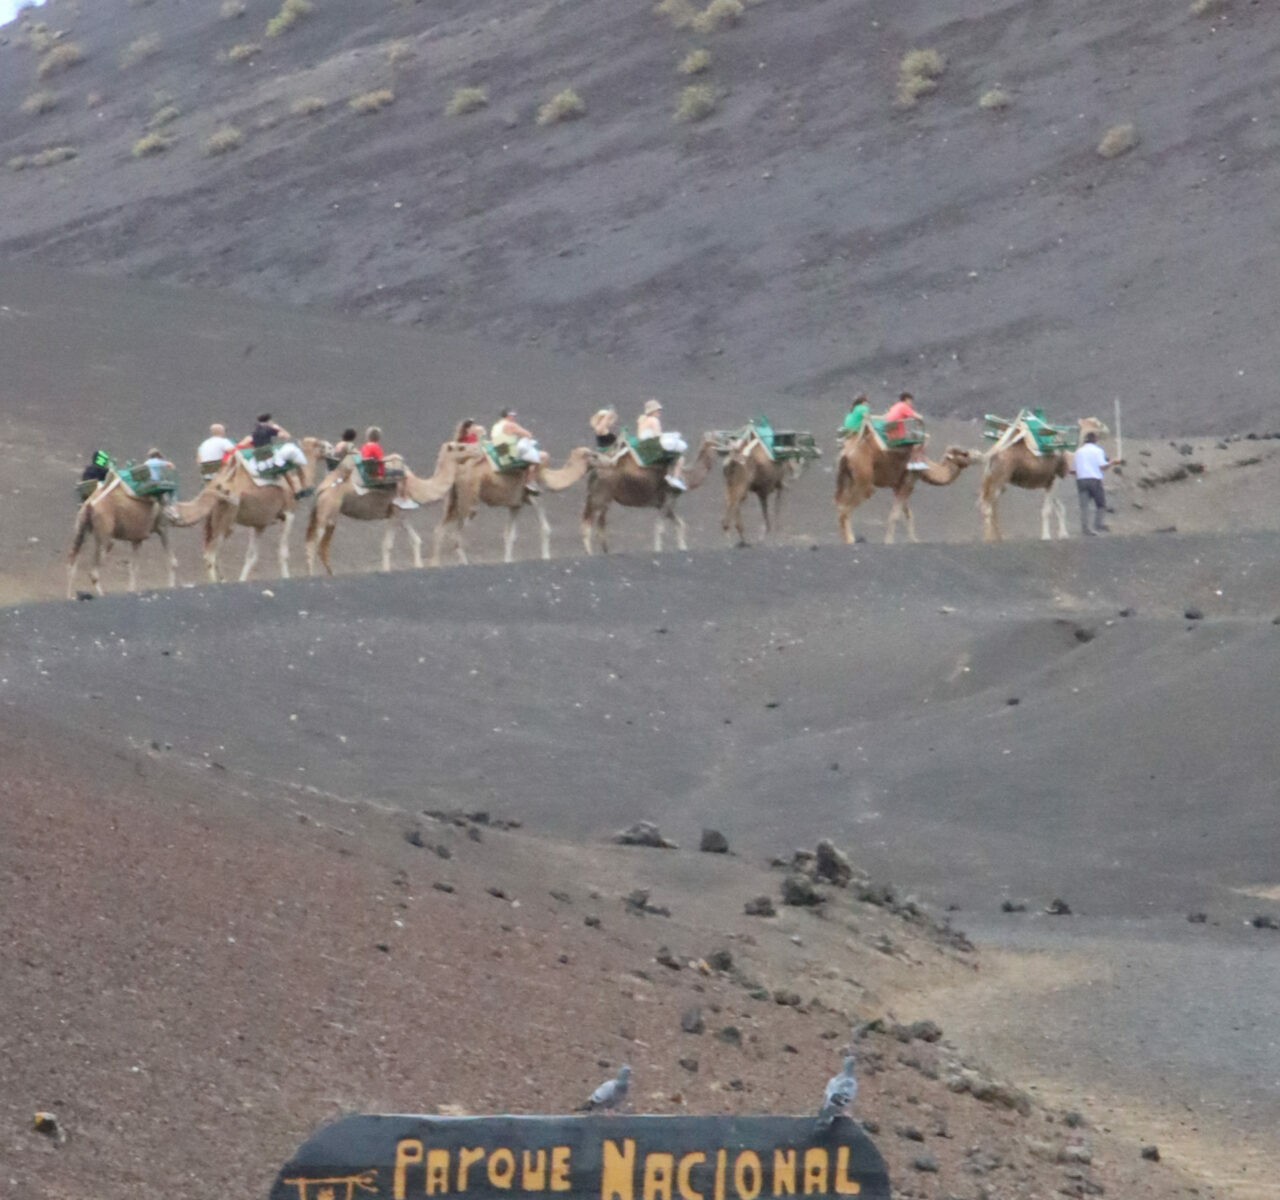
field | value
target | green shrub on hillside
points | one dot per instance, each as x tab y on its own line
163	116
717	13
679	12
306	106
62	57
918	75
1118	140
149	144
371	102
696	101
223	140
563	106
465	100
994	98
291	12
243	51
231	9
139	50
694	63
39	102
400	52
42	158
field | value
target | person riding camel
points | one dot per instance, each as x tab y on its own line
854	418
649	425
345	445
604	424
375	457
288	454
469	432
517	442
895	428
212	453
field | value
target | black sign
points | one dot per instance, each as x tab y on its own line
585	1158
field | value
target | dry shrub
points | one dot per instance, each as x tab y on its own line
231	9
243	51
695	62
223	140
1206	8
291	12
62	57
717	13
307	106
163	116
680	13
563	106
139	50
1117	140
400	51
465	100
39	102
149	144
371	102
918	75
42	158
994	98
39	38
696	101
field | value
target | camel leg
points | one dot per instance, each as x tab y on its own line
844	520
1061	510
134	550
437	542
584	528
677	520
544	527
911	520
1046	517
657	533
326	540
250	553
388	540
764	511
163	534
95	567
283	553
459	546
509	535
415	540
990	527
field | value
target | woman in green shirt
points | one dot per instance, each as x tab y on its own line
856	415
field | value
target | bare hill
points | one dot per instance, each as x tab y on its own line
809	235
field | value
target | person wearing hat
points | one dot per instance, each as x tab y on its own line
156	464
650	426
900	411
604	424
1087	465
512	437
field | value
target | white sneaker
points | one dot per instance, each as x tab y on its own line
917	466
677	483
404	502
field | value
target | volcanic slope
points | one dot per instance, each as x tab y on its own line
811	234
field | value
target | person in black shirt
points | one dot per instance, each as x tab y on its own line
605	425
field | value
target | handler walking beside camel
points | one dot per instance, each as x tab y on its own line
1088	465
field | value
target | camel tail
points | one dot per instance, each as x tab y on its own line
84	523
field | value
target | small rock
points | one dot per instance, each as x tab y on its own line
910	1132
441	886
497	893
1058	908
798	890
563	959
414	837
1197	918
1127	612
1013	701
731	1035
691	1021
922	1031
1072	1119
1264	921
563	897
591	922
1151	1153
926	1163
442	851
787	999
473	832
1074	1152
383	946
879	894
1013	906
788	1048
870	1126
761	906
736	1085
643	833
1194	614
665	958
690	1065
713	842
720	960
832	864
47	1123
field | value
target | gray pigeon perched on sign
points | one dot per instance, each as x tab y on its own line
610	1094
840	1093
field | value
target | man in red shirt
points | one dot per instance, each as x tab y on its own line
900	412
373	454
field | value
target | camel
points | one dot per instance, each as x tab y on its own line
866	463
110	514
1012	461
624	481
759	475
338	497
479	482
232	498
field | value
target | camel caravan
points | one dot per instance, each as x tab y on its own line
262	482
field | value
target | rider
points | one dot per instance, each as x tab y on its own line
213	451
288	454
156	463
605	426
469	432
345	445
900	412
373	454
857	413
649	425
507	434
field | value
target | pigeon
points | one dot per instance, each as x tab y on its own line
841	1090
610	1094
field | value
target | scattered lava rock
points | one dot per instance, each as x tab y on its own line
1151	1153
925	1163
665	958
731	1035
1197	918
47	1124
713	842
1012	906
414	838
691	1021
1194	614
637	904
643	833
787	999
990	1092
1058	908
690	1065
441	886
497	893
798	891
591	922
910	1133
1264	921
761	906
832	864
918	1031
720	960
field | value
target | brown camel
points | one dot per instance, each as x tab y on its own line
866	463
478	482
232	497
1011	461
338	496
624	481
110	514
755	473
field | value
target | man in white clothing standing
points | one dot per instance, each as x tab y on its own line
1089	464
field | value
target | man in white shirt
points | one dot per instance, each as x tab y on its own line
1090	462
213	450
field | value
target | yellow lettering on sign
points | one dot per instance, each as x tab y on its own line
748	1174
467	1159
437	1171
815	1171
844	1185
658	1169
502	1167
533	1171
617	1174
683	1183
560	1169
408	1154
784	1172
719	1180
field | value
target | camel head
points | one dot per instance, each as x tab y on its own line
1092	425
959	456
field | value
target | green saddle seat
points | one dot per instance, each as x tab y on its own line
907	432
502	456
137	481
1048	438
261	456
378	473
649	451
